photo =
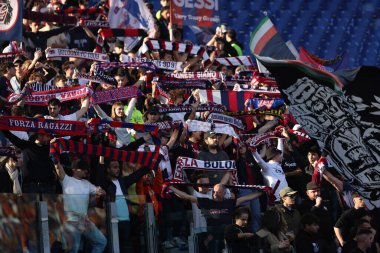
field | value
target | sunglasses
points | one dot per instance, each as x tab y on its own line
291	196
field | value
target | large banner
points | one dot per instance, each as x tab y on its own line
11	20
197	18
344	119
130	14
200	13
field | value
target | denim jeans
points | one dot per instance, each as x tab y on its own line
254	205
75	230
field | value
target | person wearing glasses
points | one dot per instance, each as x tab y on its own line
291	215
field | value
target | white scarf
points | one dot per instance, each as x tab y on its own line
196	125
13	174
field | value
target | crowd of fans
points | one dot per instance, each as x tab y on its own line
308	210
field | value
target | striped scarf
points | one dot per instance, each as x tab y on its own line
147	159
45	17
74	10
234	61
151	45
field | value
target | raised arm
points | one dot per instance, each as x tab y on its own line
60	171
248	197
183	195
173	138
101	113
83	109
129	111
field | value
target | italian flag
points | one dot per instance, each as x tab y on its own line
265	41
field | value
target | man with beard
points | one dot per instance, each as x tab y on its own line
213	153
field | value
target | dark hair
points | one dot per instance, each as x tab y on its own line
66	65
201	176
58	78
314	149
54	102
309	219
5	66
17	110
240	211
80	164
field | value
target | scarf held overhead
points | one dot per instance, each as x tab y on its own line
194	164
217	117
162	108
169	65
116	94
60	52
41	98
196	125
147	159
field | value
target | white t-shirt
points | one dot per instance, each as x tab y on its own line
200	223
72	116
76	196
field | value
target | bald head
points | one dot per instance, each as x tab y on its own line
218	192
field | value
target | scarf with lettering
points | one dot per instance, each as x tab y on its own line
211	75
145	65
257	112
253	140
217	117
92	78
234	61
194	164
99	73
116	94
147	159
61	52
196	125
167	125
183	84
152	44
41	98
7	151
94	23
188	108
169	65
46	17
261	103
41	125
